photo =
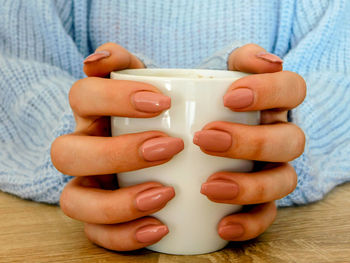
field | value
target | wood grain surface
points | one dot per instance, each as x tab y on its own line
320	232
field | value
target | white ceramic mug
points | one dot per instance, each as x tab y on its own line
197	99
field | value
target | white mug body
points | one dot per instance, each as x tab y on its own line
197	99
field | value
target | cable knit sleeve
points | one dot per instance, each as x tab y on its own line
313	39
39	61
320	52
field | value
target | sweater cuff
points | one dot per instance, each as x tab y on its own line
148	63
219	60
26	168
324	118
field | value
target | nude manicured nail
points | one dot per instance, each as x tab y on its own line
98	55
269	57
150	101
161	148
154	198
213	140
239	98
220	189
231	231
151	233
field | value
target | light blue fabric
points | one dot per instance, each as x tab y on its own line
43	43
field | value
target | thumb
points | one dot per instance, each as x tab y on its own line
252	58
109	57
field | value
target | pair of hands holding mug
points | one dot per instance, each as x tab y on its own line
118	219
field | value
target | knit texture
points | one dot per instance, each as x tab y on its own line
43	43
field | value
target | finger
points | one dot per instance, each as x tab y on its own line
253	188
254	59
94	205
247	225
110	57
280	142
91	155
281	90
127	236
91	97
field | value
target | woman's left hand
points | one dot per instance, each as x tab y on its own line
274	143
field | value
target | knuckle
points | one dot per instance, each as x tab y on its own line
258	146
300	85
57	158
250	143
301	81
259	193
75	95
109	212
292	177
301	88
299	141
113	156
65	201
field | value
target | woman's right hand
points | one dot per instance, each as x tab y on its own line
114	218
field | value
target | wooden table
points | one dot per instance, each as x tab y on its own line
320	232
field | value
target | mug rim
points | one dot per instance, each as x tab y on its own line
180	74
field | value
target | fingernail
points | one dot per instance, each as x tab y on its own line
269	57
213	140
231	231
154	198
151	233
161	148
220	189
150	102
98	55
239	98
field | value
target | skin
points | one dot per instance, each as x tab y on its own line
109	214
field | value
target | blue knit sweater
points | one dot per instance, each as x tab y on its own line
43	43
